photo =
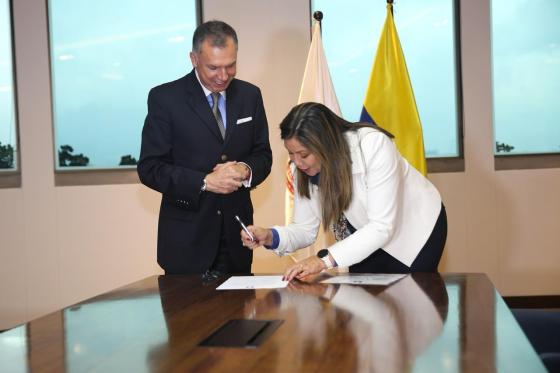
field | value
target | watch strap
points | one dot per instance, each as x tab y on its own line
327	261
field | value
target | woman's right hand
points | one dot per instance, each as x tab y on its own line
262	236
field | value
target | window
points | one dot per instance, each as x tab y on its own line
526	76
105	56
8	133
427	31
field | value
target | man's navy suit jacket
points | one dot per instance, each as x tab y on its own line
181	144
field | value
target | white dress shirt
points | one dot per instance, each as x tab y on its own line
222	107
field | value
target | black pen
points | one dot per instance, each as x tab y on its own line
245	228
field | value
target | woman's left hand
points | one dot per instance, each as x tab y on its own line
306	267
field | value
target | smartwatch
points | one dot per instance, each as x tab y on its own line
323	254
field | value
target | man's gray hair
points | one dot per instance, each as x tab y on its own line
216	32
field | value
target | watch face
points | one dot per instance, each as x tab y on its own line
322	253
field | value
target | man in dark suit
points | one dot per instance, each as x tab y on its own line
204	146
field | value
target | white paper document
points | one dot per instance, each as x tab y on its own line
359	279
253	282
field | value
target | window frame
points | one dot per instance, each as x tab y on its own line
12	178
527	161
454	164
74	176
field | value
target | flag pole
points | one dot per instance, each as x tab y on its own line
318	16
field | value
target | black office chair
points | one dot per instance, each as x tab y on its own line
542	328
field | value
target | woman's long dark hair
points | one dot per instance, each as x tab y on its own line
321	131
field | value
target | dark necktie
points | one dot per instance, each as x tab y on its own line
217	114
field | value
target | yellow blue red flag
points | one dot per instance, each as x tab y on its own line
389	100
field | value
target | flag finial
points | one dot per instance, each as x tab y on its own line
318	15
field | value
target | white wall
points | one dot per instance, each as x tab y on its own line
61	245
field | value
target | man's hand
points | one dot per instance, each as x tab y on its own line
240	168
226	178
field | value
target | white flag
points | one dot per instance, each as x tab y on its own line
316	86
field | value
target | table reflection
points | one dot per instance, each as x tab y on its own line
191	312
13	349
418	323
388	326
108	334
393	326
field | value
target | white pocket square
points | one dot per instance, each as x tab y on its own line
244	120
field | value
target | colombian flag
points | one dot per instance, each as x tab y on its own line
389	97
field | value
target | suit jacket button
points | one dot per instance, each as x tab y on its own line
223	157
219	212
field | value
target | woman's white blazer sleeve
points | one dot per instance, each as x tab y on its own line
302	232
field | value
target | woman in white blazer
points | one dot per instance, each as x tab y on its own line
386	216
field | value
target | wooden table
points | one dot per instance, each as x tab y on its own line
423	322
